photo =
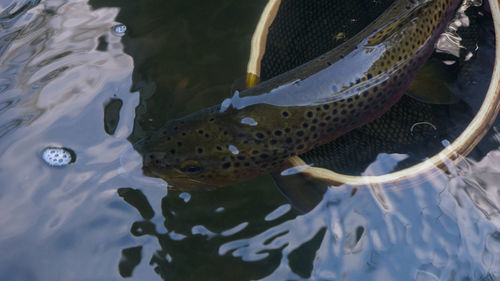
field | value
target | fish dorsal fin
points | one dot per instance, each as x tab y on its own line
392	27
430	84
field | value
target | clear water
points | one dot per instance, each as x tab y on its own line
70	78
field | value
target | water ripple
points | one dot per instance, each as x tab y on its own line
452	231
55	82
53	85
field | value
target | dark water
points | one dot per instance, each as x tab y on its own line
66	79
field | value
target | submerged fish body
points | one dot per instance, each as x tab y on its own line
256	130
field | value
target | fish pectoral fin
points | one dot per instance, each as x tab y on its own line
430	84
303	192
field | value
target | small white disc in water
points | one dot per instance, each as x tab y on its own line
56	157
119	29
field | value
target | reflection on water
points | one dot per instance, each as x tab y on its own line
67	80
54	85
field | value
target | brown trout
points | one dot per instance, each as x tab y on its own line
256	130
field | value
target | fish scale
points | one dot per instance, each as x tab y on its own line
303	30
300	109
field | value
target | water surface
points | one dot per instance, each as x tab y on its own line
67	79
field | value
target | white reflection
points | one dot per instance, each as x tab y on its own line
280	211
448	226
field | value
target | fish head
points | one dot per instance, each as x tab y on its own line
195	153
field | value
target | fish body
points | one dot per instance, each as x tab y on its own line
256	130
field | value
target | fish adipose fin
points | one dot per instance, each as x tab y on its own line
430	84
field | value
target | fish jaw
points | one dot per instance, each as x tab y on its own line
178	180
203	151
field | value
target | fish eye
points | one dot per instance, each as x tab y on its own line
191	167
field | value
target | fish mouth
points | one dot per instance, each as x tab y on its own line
177	181
186	183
